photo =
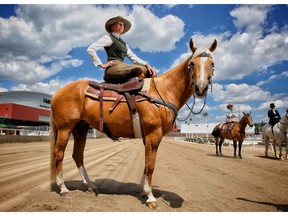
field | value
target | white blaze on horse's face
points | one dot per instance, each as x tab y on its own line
202	66
202	71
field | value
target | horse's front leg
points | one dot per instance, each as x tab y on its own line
275	149
240	147
235	147
151	145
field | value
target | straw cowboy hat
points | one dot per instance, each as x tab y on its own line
113	20
229	105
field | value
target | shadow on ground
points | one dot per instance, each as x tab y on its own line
110	186
279	207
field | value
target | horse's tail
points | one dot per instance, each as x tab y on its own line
216	131
53	139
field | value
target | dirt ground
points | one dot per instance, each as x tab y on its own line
188	177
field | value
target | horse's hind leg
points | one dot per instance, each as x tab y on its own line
58	156
286	148
267	142
280	150
79	133
220	145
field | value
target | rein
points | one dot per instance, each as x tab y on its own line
172	106
161	101
284	132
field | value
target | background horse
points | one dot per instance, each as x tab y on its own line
73	112
237	133
278	135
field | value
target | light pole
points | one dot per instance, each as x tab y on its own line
238	112
205	114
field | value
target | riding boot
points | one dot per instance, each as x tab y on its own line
137	72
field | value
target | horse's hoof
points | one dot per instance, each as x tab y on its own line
240	157
95	191
152	205
266	156
64	194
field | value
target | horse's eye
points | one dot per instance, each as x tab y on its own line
213	65
191	65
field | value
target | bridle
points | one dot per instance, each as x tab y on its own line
190	70
280	123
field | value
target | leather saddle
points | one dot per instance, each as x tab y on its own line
227	126
124	91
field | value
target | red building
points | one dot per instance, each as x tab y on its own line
24	108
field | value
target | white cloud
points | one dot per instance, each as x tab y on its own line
165	31
35	44
246	52
3	89
233	93
28	72
283	75
250	17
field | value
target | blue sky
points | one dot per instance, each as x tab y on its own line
43	47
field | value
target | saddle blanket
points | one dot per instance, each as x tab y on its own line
227	126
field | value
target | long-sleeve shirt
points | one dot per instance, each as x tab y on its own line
274	116
230	116
106	41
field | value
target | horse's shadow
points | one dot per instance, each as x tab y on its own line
269	157
110	186
222	156
279	207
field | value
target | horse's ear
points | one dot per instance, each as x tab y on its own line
192	45
213	46
244	113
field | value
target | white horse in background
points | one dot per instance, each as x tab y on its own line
278	135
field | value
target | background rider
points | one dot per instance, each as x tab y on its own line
273	115
230	114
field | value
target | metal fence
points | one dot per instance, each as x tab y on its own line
41	131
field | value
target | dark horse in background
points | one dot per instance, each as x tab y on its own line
73	112
234	132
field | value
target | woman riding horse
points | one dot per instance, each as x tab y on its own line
236	132
74	112
116	70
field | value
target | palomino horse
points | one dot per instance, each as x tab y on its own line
236	133
278	134
73	112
